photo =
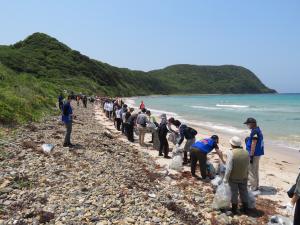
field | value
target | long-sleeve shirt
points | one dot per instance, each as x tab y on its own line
297	189
229	163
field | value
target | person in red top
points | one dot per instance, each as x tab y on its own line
142	105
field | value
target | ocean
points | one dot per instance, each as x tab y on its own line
278	115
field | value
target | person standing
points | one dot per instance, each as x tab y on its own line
295	202
162	134
130	126
189	134
255	147
236	175
199	152
142	105
67	118
118	118
60	101
141	121
78	99
84	101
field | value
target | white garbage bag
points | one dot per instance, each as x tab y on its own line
217	181
47	148
176	163
222	199
280	220
252	200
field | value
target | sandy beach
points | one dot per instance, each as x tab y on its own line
279	168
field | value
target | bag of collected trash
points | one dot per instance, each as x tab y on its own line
222	199
151	126
217	181
176	163
279	220
47	148
252	200
177	160
221	169
210	169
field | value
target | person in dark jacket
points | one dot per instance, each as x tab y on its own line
295	202
84	101
130	126
67	118
189	134
162	135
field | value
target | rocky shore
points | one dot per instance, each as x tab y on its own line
103	180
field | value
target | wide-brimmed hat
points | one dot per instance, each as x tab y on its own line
235	141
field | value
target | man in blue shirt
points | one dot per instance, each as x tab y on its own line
67	118
199	153
255	147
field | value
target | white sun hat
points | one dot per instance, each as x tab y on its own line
235	141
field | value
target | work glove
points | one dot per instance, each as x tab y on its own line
251	159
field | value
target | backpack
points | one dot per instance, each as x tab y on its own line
190	133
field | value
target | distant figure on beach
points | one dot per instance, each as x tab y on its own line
142	105
67	118
131	121
60	101
141	122
78	100
162	135
84	101
255	147
118	117
189	134
122	115
199	152
236	175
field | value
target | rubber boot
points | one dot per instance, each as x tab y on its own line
234	208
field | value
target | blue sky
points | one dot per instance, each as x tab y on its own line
262	35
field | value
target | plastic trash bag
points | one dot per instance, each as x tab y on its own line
251	200
47	148
176	163
217	181
222	199
280	220
173	138
221	169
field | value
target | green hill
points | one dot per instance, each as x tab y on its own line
34	71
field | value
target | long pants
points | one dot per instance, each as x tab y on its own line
187	148
254	173
297	213
197	155
163	146
122	127
130	136
118	123
68	133
142	132
60	105
239	187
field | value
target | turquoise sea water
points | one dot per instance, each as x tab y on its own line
277	114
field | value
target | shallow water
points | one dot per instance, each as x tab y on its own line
278	115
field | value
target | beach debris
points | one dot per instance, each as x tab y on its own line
152	195
108	134
47	148
279	220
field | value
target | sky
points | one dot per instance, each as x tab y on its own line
263	36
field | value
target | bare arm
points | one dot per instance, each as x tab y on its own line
220	154
253	146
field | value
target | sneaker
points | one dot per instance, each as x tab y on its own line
167	157
160	155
